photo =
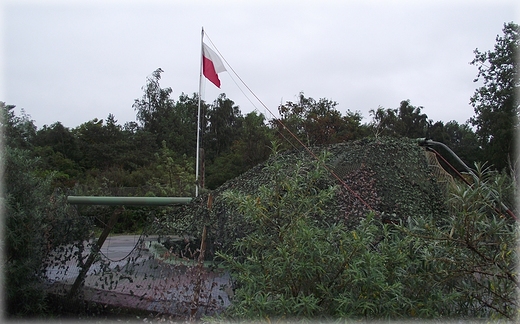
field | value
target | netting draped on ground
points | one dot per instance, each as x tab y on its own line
137	272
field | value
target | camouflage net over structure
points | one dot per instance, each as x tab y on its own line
442	176
393	176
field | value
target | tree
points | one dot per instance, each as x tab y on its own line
471	254
293	261
406	121
297	262
254	144
60	139
183	124
142	145
58	149
154	107
315	122
224	121
496	102
19	130
26	200
458	137
94	144
251	146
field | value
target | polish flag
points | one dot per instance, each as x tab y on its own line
211	65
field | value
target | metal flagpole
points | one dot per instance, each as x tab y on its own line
198	119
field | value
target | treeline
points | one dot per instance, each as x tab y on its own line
156	154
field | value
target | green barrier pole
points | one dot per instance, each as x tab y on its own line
127	201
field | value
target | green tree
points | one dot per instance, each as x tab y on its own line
19	130
96	143
154	104
254	144
224	121
458	137
153	108
26	199
223	128
296	260
35	221
141	145
60	139
58	149
183	124
315	123
173	173
496	102
405	121
251	147
167	120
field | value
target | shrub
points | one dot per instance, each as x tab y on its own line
472	252
36	222
295	263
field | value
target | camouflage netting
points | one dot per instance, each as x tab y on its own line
393	176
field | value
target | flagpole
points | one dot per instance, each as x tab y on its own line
198	119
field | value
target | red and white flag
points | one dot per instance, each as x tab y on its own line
211	65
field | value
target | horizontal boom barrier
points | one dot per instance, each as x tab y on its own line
140	201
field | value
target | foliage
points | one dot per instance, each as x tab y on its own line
36	222
223	122
17	131
397	185
472	253
167	120
173	173
315	123
409	121
406	121
24	207
251	146
496	102
294	263
460	138
297	263
154	106
36	219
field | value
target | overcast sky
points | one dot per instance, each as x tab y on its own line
73	61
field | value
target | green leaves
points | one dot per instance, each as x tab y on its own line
495	102
295	264
470	255
36	222
439	262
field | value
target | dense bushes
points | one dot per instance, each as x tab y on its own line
294	263
25	201
36	220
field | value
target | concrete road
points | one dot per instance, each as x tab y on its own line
117	247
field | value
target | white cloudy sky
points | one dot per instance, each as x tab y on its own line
73	61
